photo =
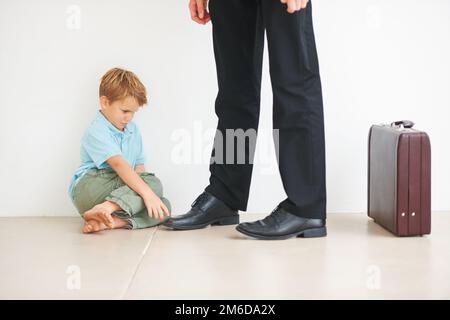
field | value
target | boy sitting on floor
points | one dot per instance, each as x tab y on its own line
111	189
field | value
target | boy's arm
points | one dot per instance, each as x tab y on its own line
139	168
135	182
129	176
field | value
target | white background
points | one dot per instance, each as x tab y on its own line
380	61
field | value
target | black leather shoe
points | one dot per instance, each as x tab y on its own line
280	225
205	210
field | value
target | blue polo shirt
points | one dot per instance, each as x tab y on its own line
101	141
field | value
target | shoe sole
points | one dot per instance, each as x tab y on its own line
308	233
216	222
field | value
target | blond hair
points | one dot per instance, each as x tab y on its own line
118	84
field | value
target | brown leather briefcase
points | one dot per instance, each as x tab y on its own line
399	178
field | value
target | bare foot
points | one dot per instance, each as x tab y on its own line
102	213
93	226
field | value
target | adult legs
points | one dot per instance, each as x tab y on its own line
297	108
238	37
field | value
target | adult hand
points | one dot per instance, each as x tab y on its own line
295	5
199	11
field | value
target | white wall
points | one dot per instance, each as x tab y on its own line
380	61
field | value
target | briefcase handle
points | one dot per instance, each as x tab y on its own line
404	123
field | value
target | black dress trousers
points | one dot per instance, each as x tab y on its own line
238	36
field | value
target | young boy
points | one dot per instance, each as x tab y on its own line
111	188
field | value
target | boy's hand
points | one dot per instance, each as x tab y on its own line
155	207
295	5
199	11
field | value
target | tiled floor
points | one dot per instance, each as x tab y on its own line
46	258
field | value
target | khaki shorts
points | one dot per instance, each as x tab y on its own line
99	185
